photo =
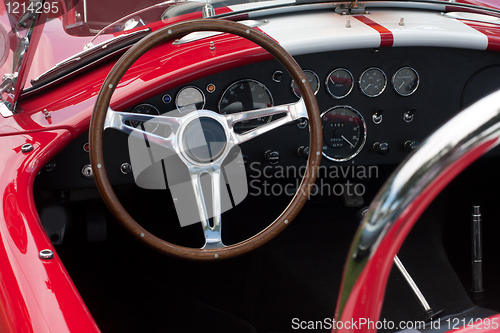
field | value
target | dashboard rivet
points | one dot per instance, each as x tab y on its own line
303	80
46	254
142	234
110	86
99	166
286	221
247	31
169	31
317	153
26	148
216	256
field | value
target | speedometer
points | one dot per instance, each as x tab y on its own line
246	95
344	132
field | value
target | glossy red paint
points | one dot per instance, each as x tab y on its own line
483	3
367	295
35	295
148	77
492	31
70	107
22	289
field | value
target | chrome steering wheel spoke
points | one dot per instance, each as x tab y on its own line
212	233
292	112
122	122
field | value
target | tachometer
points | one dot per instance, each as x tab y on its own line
245	95
344	132
145	109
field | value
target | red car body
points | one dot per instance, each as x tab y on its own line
38	295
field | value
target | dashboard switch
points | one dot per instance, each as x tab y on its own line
272	156
377	117
381	148
411	145
408	116
303	152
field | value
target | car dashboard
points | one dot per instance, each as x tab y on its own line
380	94
378	127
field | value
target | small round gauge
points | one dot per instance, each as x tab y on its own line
146	109
344	132
372	82
339	83
405	81
190	99
246	95
313	81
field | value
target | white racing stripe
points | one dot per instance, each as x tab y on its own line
429	29
312	32
254	5
317	32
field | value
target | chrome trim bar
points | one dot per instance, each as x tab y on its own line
293	111
405	195
416	290
31	23
118	120
213	237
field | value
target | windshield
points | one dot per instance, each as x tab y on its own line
77	32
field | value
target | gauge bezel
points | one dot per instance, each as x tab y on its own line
361	146
244	80
187	87
317	79
149	105
361	78
327	79
394	78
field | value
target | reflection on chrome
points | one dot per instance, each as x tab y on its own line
405	195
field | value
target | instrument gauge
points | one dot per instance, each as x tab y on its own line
145	109
372	82
190	98
405	81
344	133
246	95
339	83
313	81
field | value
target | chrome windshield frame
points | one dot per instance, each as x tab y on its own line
404	197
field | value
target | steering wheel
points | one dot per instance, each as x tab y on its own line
179	141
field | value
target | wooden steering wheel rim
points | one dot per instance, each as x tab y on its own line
176	31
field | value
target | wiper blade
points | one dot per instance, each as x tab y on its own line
87	56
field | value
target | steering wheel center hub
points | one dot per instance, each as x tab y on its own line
204	140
